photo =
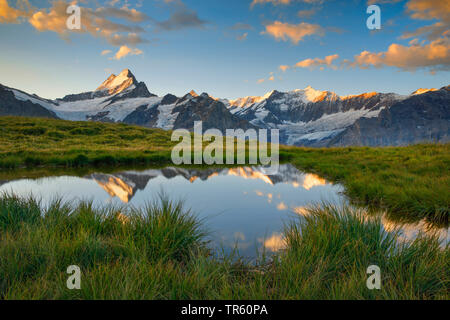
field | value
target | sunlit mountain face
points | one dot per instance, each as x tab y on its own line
120	186
125	185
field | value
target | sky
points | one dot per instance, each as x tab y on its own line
229	49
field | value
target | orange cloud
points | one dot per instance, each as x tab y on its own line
12	15
429	10
53	20
433	31
306	13
293	32
274	2
284	2
434	55
317	62
283	68
125	51
270	78
122	13
97	22
382	1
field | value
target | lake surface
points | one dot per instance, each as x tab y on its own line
241	207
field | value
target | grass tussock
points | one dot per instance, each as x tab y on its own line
329	252
160	253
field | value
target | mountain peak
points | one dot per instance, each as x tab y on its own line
312	95
116	84
422	91
126	73
366	95
193	93
268	94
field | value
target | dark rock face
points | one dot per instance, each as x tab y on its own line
169	99
11	106
186	111
211	112
143	116
420	118
83	96
100	117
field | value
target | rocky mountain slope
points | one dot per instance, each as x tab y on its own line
175	113
17	103
305	117
420	118
311	117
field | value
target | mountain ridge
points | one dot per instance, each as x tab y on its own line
305	117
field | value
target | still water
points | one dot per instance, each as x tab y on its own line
241	207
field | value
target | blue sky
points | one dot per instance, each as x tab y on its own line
228	48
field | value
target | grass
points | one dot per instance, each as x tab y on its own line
334	246
410	182
160	253
32	142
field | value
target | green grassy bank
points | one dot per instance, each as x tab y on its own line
160	253
33	142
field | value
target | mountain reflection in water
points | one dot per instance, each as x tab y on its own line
240	207
124	185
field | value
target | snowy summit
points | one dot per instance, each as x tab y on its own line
116	84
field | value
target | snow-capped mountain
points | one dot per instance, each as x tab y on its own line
172	112
421	117
125	185
112	101
116	84
122	98
305	117
309	116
